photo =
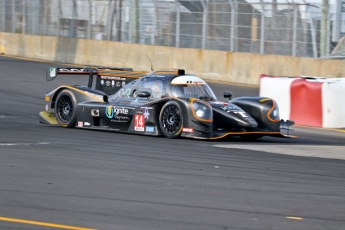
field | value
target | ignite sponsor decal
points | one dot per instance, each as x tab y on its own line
139	121
80	124
188	130
52	72
150	129
111	111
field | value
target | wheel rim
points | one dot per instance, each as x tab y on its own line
171	119
65	108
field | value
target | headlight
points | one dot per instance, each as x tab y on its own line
200	113
201	110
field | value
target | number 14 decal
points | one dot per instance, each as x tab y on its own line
139	122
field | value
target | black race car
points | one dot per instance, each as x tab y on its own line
166	102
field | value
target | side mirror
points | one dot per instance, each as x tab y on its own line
144	94
228	94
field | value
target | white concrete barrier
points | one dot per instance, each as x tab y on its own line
309	101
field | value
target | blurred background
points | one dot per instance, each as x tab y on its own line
282	27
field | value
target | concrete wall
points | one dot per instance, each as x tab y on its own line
208	64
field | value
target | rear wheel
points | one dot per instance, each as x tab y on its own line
66	109
171	120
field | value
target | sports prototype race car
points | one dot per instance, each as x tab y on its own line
166	102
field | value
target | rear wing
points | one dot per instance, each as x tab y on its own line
108	80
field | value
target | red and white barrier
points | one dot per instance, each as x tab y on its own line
309	101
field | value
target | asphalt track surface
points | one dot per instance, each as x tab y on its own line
58	178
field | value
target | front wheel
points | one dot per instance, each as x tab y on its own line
171	120
66	109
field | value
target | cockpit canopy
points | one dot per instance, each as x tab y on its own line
186	86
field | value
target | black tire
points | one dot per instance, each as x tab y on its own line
66	109
171	120
251	137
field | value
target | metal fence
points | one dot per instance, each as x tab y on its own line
292	29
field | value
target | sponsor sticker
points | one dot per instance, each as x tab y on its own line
80	124
107	83
139	121
118	84
87	124
146	113
150	129
113	78
95	112
188	130
111	111
52	72
71	70
120	119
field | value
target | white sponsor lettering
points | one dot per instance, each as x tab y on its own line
87	124
188	130
70	70
113	78
118	111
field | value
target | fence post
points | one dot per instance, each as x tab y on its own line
328	34
204	21
313	37
294	32
232	29
262	29
90	21
177	37
154	29
3	15
23	16
14	21
324	19
72	31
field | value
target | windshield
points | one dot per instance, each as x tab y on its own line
200	91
